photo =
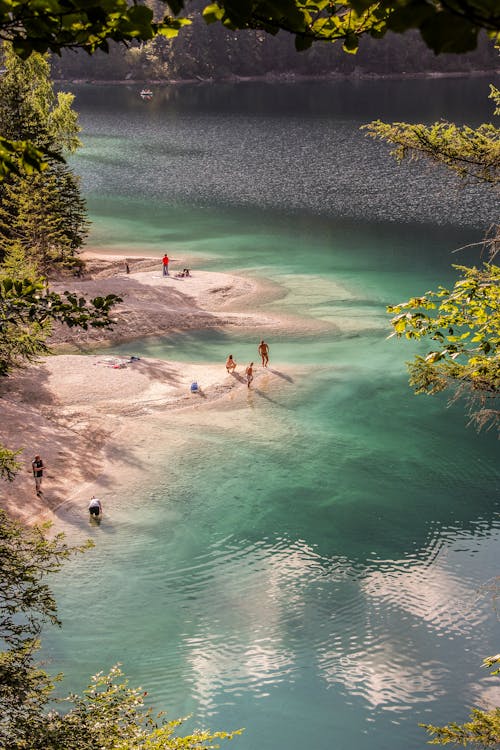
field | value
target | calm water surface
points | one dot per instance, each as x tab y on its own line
307	560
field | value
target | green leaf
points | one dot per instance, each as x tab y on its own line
447	32
212	13
303	42
351	44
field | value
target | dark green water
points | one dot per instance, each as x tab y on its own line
306	560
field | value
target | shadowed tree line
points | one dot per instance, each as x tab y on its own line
212	52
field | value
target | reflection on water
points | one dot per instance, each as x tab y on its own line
271	558
304	559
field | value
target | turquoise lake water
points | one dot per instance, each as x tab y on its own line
309	560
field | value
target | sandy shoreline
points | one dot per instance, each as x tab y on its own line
81	412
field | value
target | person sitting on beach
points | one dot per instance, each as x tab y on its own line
230	364
95	507
186	272
249	374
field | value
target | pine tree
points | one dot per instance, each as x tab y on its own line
17	265
43	212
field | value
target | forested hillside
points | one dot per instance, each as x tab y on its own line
213	52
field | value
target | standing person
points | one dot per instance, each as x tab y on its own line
95	507
264	353
38	466
249	374
230	364
165	262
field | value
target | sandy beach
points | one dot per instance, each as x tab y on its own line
80	412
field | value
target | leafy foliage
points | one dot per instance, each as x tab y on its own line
56	25
464	323
34	123
472	153
27	556
45	216
22	156
482	730
27	308
9	466
449	26
109	715
44	212
112	715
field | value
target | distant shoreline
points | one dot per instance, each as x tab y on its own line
288	79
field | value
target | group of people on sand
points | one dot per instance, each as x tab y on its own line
263	350
95	505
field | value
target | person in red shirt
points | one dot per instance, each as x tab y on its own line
165	265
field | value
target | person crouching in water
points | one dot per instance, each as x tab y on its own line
95	507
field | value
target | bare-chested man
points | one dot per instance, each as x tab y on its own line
264	353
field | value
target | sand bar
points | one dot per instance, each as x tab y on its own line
81	412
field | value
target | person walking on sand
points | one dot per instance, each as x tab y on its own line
230	364
264	353
38	466
165	262
249	374
95	507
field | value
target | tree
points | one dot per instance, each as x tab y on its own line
464	323
449	25
109	714
27	309
472	153
46	216
9	466
112	715
43	212
27	556
445	26
482	730
42	222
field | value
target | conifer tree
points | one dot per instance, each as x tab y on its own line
44	211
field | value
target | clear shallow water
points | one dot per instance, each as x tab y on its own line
308	558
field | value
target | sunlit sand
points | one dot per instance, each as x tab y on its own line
92	417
